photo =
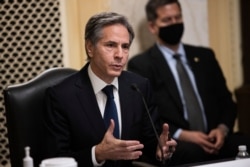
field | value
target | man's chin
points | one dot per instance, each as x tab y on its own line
116	73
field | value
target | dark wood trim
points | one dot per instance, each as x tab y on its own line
245	27
243	93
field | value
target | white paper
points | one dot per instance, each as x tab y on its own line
233	163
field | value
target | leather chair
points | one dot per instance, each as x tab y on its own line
24	106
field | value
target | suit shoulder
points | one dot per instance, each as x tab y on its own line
144	55
133	77
201	51
198	48
142	59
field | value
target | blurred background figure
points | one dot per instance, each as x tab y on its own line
189	89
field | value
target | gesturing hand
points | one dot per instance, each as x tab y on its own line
111	148
168	144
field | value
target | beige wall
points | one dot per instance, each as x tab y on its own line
75	14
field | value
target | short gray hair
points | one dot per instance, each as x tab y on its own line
94	26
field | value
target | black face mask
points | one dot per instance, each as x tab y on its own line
171	34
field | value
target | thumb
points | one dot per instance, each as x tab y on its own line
165	129
111	127
165	133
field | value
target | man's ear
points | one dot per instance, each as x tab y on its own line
89	48
152	28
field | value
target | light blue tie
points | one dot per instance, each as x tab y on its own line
110	111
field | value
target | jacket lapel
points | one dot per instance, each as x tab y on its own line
195	61
125	94
166	75
88	102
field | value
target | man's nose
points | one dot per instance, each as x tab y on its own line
174	20
119	52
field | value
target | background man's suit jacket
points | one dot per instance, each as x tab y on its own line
217	101
74	122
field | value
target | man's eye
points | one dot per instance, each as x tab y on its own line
110	45
166	20
125	47
179	17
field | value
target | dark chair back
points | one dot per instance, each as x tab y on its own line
24	105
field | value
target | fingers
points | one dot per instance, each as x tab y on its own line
165	129
202	139
210	147
208	144
168	144
219	143
127	150
164	134
130	146
171	145
118	150
170	148
129	156
218	138
115	149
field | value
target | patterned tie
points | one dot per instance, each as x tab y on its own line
193	108
110	111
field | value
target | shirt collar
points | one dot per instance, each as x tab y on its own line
168	53
99	84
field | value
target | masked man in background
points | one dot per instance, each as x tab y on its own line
189	89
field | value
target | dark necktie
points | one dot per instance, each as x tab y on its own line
110	111
193	108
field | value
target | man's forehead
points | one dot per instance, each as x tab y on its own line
115	34
168	10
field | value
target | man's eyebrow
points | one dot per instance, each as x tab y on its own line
110	42
124	43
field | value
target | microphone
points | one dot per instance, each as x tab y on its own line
135	87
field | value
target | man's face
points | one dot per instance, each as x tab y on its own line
166	15
109	56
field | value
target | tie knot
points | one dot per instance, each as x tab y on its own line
108	90
177	56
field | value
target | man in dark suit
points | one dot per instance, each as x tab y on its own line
75	117
200	114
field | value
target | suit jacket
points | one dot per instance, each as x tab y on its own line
74	123
216	98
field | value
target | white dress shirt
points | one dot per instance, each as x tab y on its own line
101	98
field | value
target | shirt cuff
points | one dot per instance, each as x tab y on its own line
96	164
224	129
177	134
